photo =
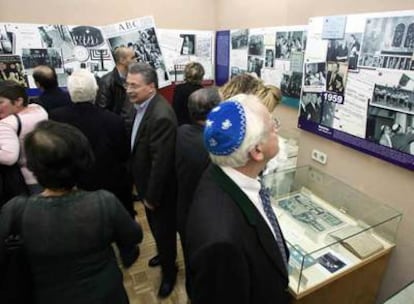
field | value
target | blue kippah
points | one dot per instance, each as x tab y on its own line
225	128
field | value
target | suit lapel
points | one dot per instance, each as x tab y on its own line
253	217
144	120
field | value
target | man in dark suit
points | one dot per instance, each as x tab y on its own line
52	96
105	132
334	80
235	247
191	157
152	162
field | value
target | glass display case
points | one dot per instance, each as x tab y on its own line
288	151
331	228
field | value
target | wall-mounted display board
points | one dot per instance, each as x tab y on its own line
68	47
140	35
25	46
275	54
180	47
358	83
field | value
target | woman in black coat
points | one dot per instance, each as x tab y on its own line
68	232
193	76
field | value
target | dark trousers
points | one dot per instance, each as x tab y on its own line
162	223
181	231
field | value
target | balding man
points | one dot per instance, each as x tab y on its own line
52	96
112	94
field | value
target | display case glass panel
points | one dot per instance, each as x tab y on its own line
331	228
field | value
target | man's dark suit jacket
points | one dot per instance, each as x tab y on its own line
54	98
233	255
106	134
191	159
152	159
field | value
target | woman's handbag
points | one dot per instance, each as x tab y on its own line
17	281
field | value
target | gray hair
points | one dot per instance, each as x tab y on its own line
201	102
147	71
82	86
255	132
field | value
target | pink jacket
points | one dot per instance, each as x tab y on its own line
11	147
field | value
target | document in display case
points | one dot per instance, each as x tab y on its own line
331	229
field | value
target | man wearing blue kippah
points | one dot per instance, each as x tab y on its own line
236	250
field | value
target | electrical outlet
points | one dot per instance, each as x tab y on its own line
319	156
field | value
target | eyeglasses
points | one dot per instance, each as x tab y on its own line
131	86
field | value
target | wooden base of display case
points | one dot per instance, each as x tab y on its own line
358	286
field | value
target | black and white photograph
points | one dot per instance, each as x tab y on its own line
311	106
388	43
6	41
315	77
254	65
146	47
336	77
391	129
140	35
331	262
34	57
87	36
58	37
256	45
188	45
11	68
337	50
291	84
269	58
354	48
239	39
328	113
393	98
234	71
286	42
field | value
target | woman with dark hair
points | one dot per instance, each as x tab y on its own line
68	232
17	118
193	76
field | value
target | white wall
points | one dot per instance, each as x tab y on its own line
181	14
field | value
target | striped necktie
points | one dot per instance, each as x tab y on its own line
267	206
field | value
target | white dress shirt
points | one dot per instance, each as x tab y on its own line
250	187
141	109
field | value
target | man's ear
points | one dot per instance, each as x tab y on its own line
256	153
19	102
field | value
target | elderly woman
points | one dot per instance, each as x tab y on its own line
67	231
104	130
193	76
17	115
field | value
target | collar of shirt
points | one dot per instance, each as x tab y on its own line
250	187
143	106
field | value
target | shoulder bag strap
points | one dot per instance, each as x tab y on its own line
19	124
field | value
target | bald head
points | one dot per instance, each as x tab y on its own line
45	77
123	53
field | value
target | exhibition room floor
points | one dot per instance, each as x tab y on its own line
142	281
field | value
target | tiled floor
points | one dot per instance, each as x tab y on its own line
141	281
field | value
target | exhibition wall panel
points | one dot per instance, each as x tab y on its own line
371	175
